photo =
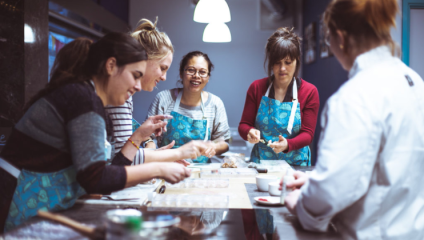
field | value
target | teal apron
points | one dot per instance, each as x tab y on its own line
53	191
183	129
276	118
35	191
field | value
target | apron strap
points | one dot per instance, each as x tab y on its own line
177	102
294	107
177	105
267	91
9	168
204	117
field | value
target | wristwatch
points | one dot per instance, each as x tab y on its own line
143	144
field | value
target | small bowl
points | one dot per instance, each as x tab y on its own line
262	182
273	189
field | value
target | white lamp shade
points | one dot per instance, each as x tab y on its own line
208	11
217	32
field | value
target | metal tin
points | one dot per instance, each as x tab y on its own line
157	225
117	224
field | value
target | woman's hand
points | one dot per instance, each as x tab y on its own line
153	124
169	146
183	162
299	179
291	200
210	151
279	146
174	172
193	149
253	136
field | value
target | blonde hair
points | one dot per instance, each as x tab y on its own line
365	21
156	43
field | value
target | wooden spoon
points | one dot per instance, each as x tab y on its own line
90	232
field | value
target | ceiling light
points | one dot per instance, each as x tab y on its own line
216	32
208	11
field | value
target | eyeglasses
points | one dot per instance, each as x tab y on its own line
327	37
193	71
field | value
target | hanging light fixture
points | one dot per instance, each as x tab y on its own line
208	11
217	32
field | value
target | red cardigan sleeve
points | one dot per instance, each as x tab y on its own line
309	106
251	106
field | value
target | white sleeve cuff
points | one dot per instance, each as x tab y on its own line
308	221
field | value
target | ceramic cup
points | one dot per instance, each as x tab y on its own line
273	188
262	182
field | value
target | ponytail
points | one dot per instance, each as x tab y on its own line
156	43
365	21
67	67
81	60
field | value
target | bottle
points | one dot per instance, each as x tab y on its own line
288	178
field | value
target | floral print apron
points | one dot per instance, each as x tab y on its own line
276	118
183	129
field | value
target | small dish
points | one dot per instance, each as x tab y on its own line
267	200
262	182
273	189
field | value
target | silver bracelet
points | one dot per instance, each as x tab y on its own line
146	142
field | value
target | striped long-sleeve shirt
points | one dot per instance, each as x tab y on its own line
121	117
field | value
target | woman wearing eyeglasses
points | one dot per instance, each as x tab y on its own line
281	110
198	115
368	179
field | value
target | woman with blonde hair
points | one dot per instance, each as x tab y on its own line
160	52
368	178
59	149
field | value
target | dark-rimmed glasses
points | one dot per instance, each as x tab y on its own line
193	71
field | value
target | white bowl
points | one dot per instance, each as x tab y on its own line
273	189
262	182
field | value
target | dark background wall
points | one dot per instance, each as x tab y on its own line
325	73
118	8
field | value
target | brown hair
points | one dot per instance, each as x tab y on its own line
282	43
365	21
191	55
156	43
81	59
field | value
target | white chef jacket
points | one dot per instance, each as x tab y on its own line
369	178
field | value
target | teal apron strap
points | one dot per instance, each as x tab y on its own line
204	117
9	168
177	105
294	106
177	102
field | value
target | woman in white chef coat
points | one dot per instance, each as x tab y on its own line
368	178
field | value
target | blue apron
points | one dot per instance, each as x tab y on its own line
53	191
276	118
35	191
183	129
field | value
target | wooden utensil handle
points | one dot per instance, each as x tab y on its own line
85	230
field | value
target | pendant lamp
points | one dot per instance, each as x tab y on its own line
217	32
208	11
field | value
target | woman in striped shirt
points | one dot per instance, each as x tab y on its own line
160	54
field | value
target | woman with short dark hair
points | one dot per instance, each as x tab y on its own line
198	114
280	112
